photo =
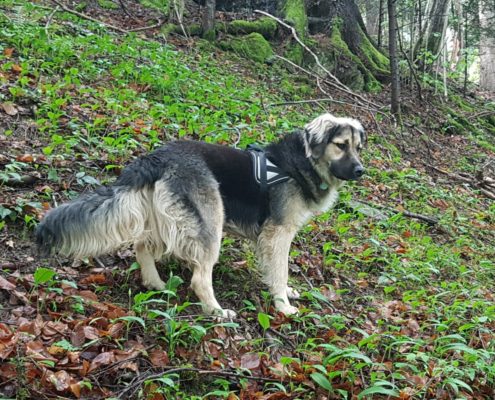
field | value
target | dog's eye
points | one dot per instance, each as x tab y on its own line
341	146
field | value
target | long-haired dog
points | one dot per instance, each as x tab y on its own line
177	200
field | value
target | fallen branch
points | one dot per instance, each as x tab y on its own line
335	81
318	78
145	28
84	16
179	19
49	21
358	205
484	184
122	5
113	27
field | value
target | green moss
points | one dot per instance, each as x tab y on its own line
210	35
294	13
193	29
462	104
253	46
265	26
376	61
109	5
363	79
295	53
81	6
294	90
167	29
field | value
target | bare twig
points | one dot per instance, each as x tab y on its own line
123	6
145	28
113	27
318	79
81	15
483	184
481	114
411	67
179	19
49	21
409	214
334	80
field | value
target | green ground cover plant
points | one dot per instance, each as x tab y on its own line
392	306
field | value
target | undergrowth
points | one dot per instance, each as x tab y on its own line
391	307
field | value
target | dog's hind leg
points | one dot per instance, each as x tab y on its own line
149	274
204	250
190	226
202	281
272	249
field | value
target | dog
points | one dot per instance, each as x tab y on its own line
177	200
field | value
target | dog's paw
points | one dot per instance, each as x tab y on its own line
287	309
292	294
154	285
225	314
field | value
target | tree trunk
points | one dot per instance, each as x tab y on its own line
380	23
458	39
372	16
208	20
349	41
487	48
433	32
392	46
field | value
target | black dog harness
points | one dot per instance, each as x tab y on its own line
265	172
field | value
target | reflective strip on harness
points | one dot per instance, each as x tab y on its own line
265	172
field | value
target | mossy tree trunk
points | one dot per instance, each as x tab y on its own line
208	20
342	21
348	45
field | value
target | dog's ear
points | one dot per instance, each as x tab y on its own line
364	137
315	145
318	133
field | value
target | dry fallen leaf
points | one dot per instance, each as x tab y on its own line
94	278
9	109
250	361
91	333
5	284
105	358
16	68
8	52
36	350
159	357
61	380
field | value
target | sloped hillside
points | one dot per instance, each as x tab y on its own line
397	281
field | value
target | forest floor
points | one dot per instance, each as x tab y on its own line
397	282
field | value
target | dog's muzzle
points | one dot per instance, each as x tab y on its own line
358	171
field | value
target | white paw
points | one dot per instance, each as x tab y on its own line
225	314
292	293
287	309
154	284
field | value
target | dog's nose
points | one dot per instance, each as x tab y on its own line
358	171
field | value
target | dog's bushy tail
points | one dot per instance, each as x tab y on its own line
94	224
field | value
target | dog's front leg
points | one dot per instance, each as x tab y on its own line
272	249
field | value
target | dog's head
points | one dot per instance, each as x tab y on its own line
333	144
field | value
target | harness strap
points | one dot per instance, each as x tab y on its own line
265	172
